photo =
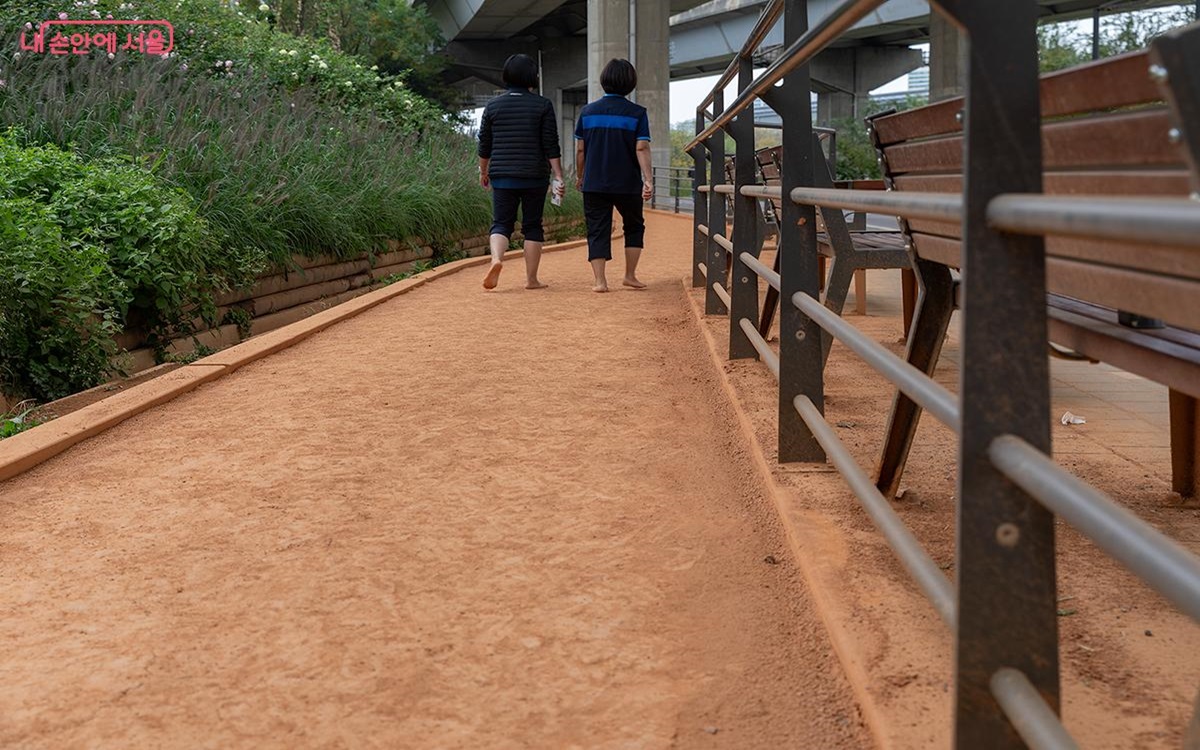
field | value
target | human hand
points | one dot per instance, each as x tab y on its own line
484	182
647	190
579	183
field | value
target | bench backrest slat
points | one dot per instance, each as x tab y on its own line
1095	142
1104	132
1113	83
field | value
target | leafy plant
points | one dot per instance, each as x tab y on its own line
19	419
56	327
241	318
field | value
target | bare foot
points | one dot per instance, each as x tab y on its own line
633	282
600	287
493	276
535	284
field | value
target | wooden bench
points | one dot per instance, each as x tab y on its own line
1105	132
847	249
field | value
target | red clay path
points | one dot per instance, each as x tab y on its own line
461	519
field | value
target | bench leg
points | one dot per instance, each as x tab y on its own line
908	295
841	274
931	319
1185	443
860	291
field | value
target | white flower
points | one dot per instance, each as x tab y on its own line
16	55
183	67
374	67
111	56
292	52
264	8
28	26
322	65
109	16
95	14
350	83
229	63
295	75
62	16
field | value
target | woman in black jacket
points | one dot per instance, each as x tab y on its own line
518	150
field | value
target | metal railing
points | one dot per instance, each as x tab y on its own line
1002	606
672	188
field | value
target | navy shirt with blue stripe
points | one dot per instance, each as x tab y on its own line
610	128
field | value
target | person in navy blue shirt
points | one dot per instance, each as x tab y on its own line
518	151
612	170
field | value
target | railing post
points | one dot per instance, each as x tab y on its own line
716	213
699	205
1005	568
800	360
743	289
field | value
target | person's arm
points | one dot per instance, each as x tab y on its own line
485	148
643	157
550	145
579	164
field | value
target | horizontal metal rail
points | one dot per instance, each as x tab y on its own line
703	229
703	189
817	38
720	292
766	20
933	206
1174	222
760	268
1164	565
928	576
724	189
916	385
1025	708
703	269
723	241
769	358
762	191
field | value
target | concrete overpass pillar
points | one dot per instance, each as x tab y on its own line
651	57
844	78
947	59
608	37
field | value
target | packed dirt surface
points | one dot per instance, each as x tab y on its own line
1130	661
462	519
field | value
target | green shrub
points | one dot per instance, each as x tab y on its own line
95	244
216	40
55	330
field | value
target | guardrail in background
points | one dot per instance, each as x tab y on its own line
1006	667
672	188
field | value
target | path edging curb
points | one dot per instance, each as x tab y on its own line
849	654
24	451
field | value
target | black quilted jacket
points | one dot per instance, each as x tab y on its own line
519	133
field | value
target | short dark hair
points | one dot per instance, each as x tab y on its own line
618	77
520	71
